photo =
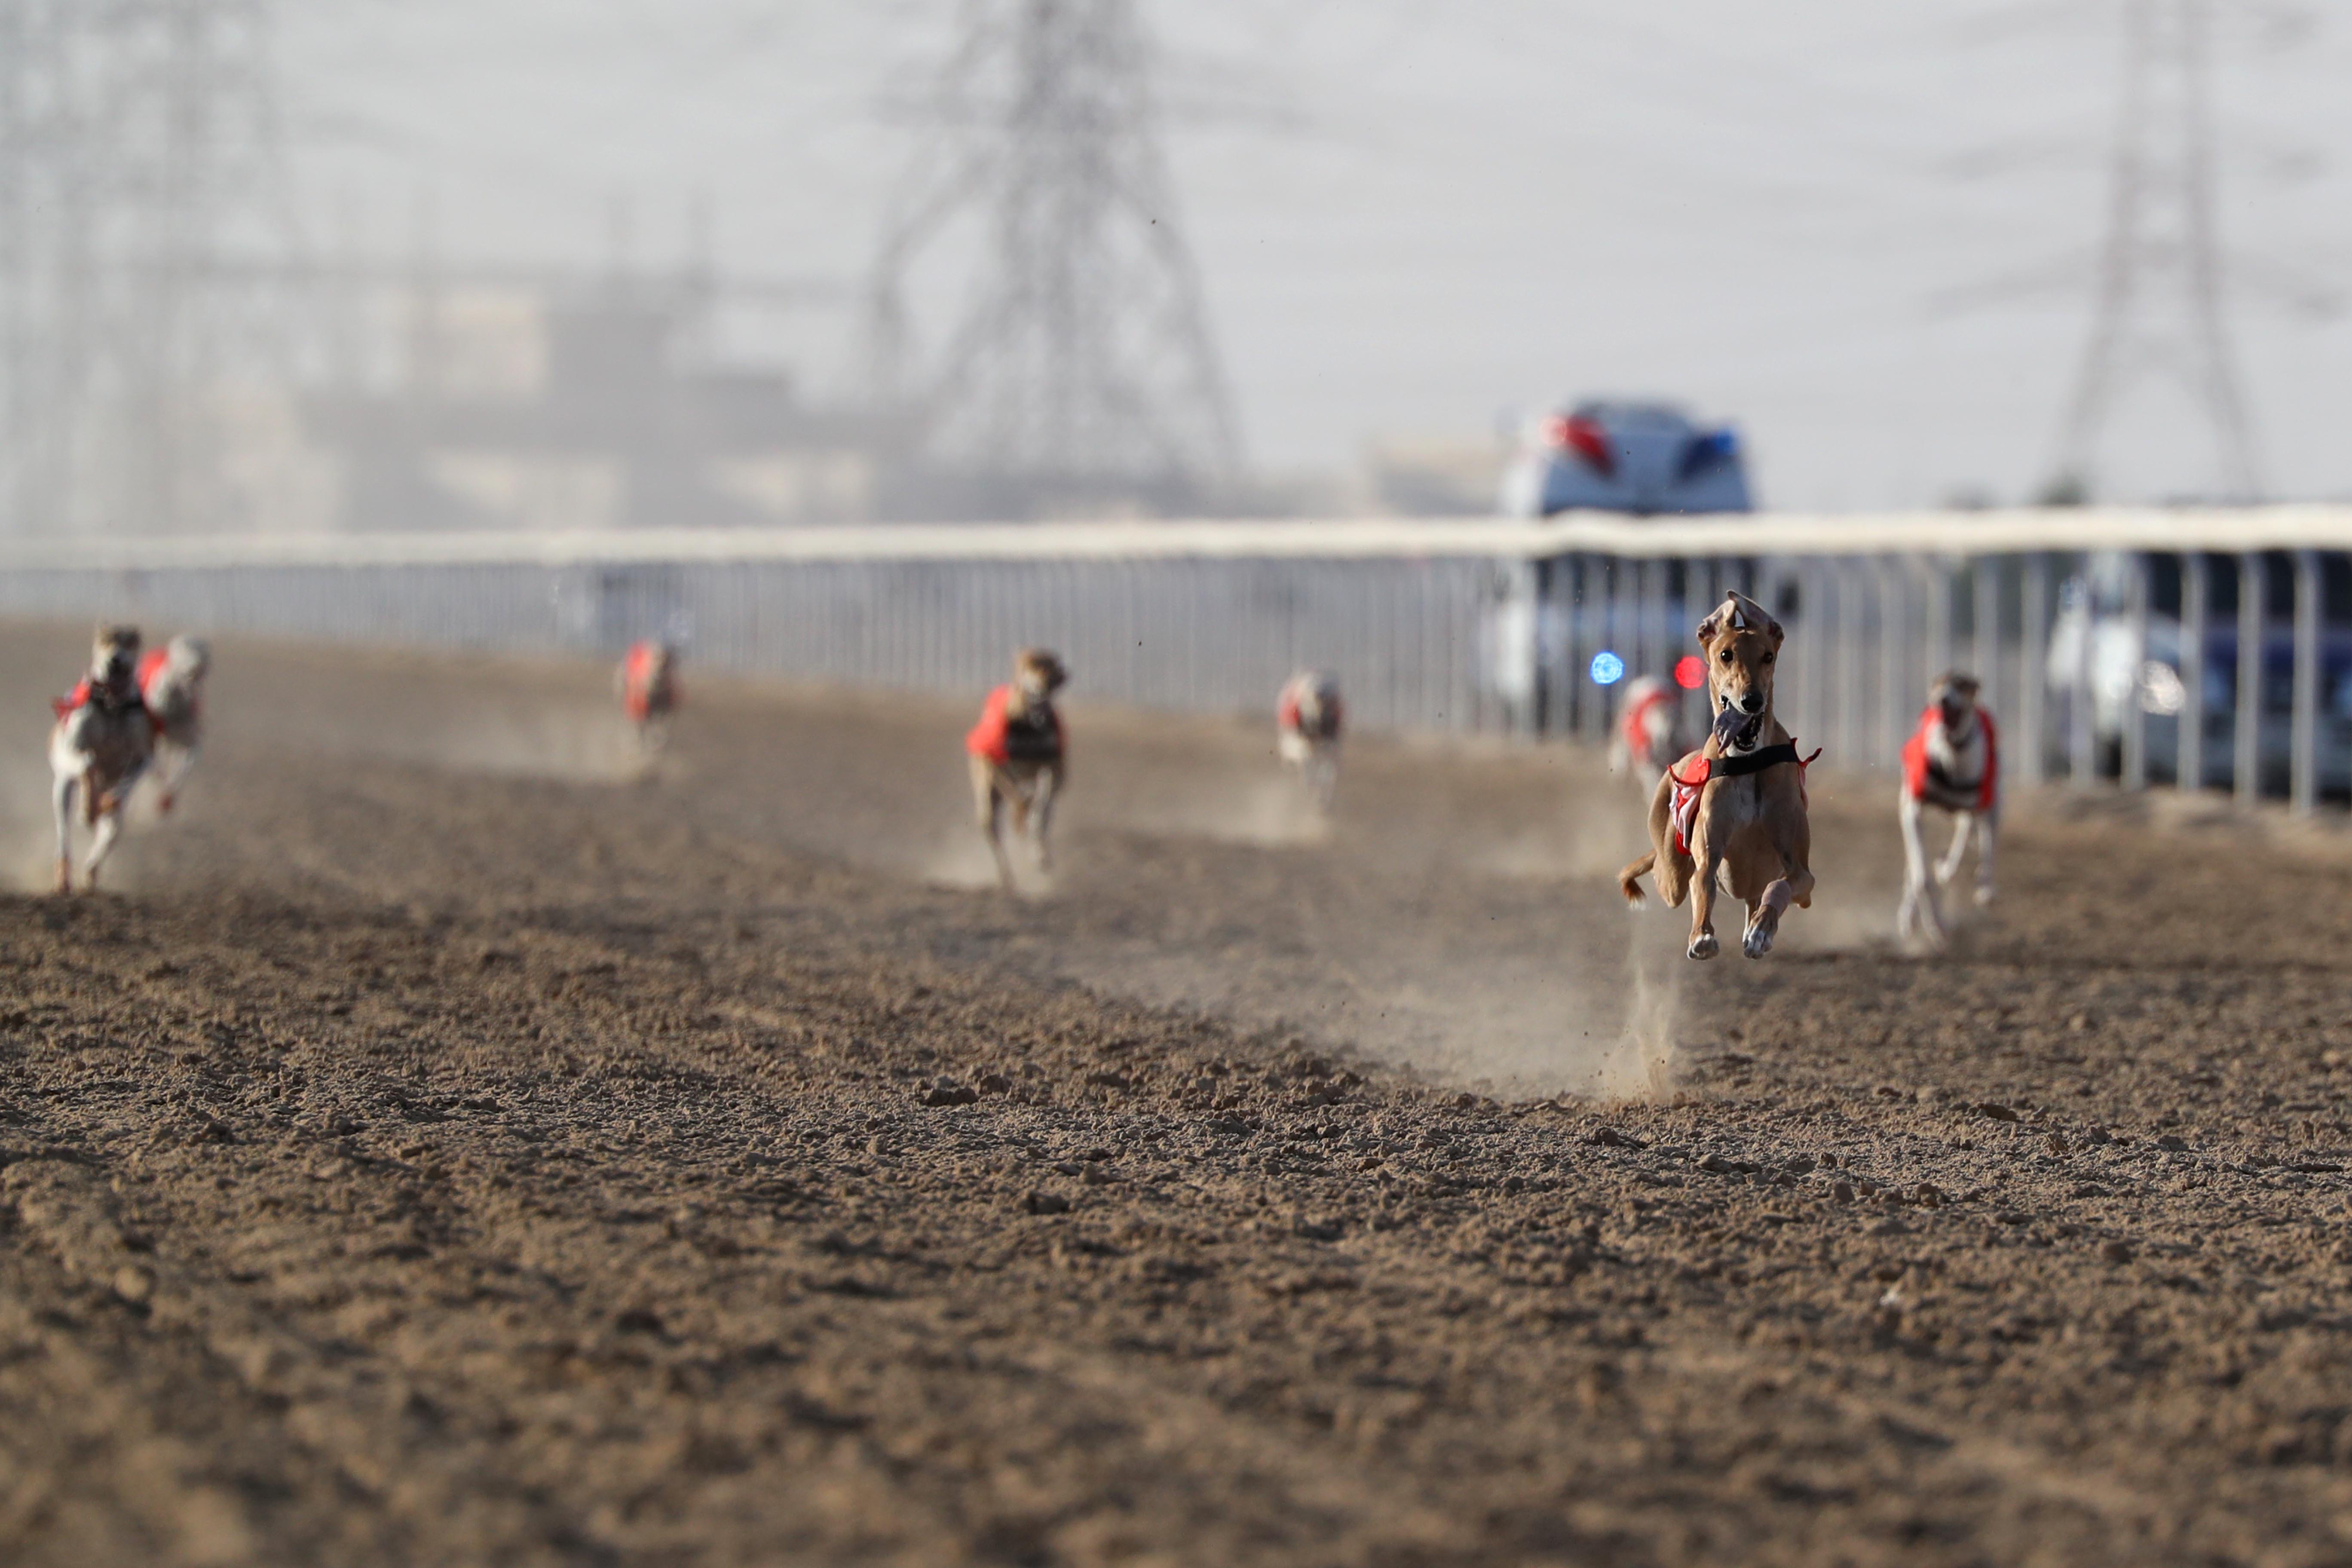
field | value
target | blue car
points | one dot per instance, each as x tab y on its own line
1640	458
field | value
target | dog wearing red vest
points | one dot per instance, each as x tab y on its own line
1733	813
1644	744
1018	759
172	686
1307	717
646	684
102	741
1951	762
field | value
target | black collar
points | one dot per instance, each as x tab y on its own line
1739	764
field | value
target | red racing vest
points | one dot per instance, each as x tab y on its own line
1917	769
79	697
1000	739
1285	714
1689	776
637	683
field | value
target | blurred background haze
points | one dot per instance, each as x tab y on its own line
447	260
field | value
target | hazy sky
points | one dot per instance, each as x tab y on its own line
1411	218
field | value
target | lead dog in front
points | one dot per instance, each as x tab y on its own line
1733	812
101	743
1951	762
1017	761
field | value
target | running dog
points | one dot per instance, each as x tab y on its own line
646	684
172	687
1017	758
101	743
1306	718
1734	811
1951	762
1644	744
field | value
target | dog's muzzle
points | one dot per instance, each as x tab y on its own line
1734	729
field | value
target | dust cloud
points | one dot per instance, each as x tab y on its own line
1454	915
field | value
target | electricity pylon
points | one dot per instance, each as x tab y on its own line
138	146
1082	361
2160	308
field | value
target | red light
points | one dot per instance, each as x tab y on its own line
1588	441
1690	673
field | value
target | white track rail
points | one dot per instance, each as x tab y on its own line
1447	625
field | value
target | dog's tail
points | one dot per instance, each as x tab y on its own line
1629	880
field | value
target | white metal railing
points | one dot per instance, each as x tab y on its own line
2113	643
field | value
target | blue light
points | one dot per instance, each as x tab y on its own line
1608	669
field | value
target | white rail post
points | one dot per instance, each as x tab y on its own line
1813	597
1649	635
1895	626
2246	752
1704	581
2302	792
2082	705
2134	714
1985	611
1854	663
1583	641
2034	669
1939	613
2188	729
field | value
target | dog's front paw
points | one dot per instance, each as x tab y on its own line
1984	894
1759	939
1703	945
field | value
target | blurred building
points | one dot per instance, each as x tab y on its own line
557	403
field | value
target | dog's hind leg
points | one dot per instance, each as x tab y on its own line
1792	838
110	828
1950	866
1919	915
61	801
1984	821
1702	942
994	828
987	809
1048	785
168	771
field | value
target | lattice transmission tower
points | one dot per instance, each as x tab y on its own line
137	155
1081	363
2159	310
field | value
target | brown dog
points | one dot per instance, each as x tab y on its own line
1017	757
1734	810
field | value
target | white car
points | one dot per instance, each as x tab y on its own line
1642	458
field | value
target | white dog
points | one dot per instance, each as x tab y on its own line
1308	717
101	743
1951	762
172	685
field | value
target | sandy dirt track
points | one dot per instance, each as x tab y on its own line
459	1143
